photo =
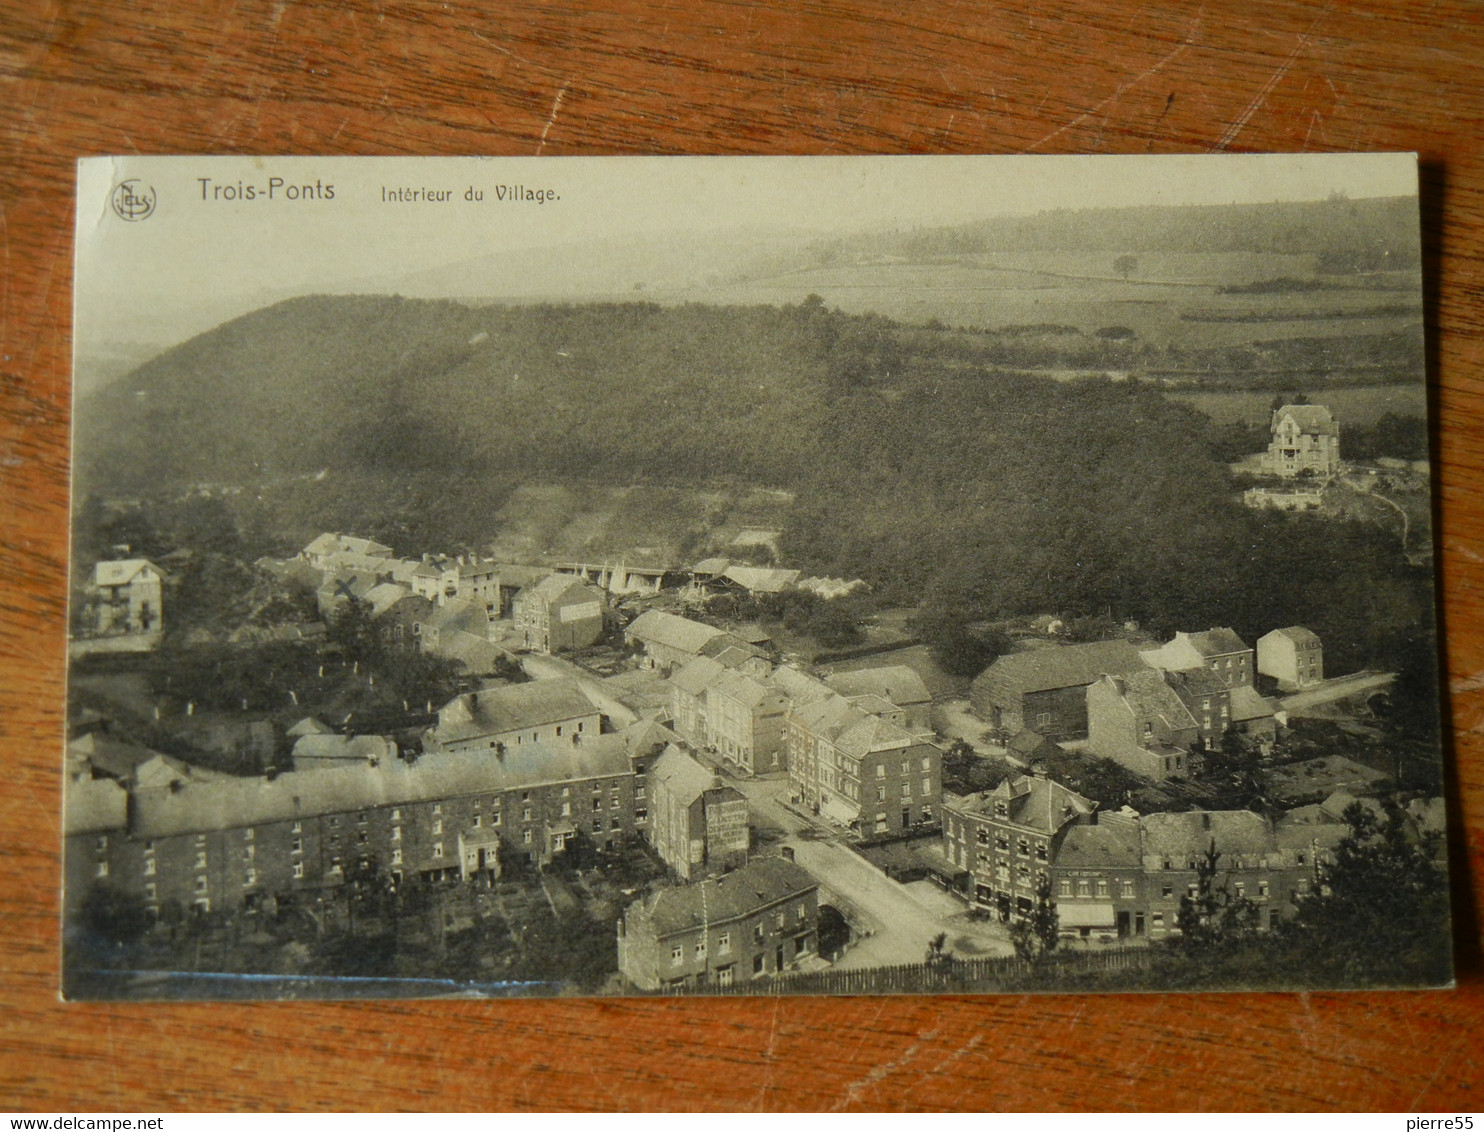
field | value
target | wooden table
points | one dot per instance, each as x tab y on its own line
731	76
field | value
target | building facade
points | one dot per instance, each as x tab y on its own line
551	712
1306	441
1045	689
1007	838
862	772
758	921
1293	656
696	825
127	597
1220	650
738	716
1139	722
559	613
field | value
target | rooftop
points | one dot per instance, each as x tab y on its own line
122	572
738	894
510	707
682	775
1316	420
1062	666
1042	804
895	682
669	629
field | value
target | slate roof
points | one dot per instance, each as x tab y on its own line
332	543
762	579
462	615
743	689
238	802
1196	682
711	567
1042	804
869	733
698	675
551	590
383	596
1061	666
122	572
682	775
661	628
94	805
1216	642
344	748
1316	420
1149	697
1029	742
309	725
728	642
724	899
1112	843
642	737
1295	633
895	682
113	757
1185	837
510	707
799	687
1247	705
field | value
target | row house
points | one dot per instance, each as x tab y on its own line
554	713
1208	700
1139	722
228	843
1220	650
1045	689
645	741
559	613
896	684
1124	876
327	549
736	715
95	828
758	921
1006	838
860	771
696	824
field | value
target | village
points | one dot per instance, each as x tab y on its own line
632	777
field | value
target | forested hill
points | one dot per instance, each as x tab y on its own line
917	464
617	392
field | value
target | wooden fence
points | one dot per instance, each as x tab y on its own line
954	976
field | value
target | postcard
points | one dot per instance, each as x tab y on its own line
705	576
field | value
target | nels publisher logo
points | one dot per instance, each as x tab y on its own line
133	200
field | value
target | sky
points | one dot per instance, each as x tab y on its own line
200	257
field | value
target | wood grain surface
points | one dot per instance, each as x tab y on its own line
722	76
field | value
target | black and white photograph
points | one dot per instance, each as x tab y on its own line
708	576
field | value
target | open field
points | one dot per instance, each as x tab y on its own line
1362	405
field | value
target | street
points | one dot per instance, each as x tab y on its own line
894	921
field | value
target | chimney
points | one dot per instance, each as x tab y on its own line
787	852
1205	819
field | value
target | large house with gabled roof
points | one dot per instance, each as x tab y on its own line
1306	440
1046	688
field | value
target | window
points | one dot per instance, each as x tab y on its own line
1128	889
102	868
396	833
396	815
927	762
906	789
149	866
1168	890
701	948
639	794
881	793
1241	890
437	849
250	878
1043	719
298	870
249	852
724	942
677	955
614	800
149	892
983	835
200	860
927	785
525	837
525	813
1002	842
298	827
247	834
437	807
724	976
1084	888
1002	809
334	823
396	856
757	932
1102	888
437	826
906	766
614	823
1192	890
476	821
1262	890
360	819
757	964
880	770
1040	852
200	884
1064	888
1023	847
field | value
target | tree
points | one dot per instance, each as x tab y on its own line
1213	917
1381	913
938	957
1036	935
112	915
1126	265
